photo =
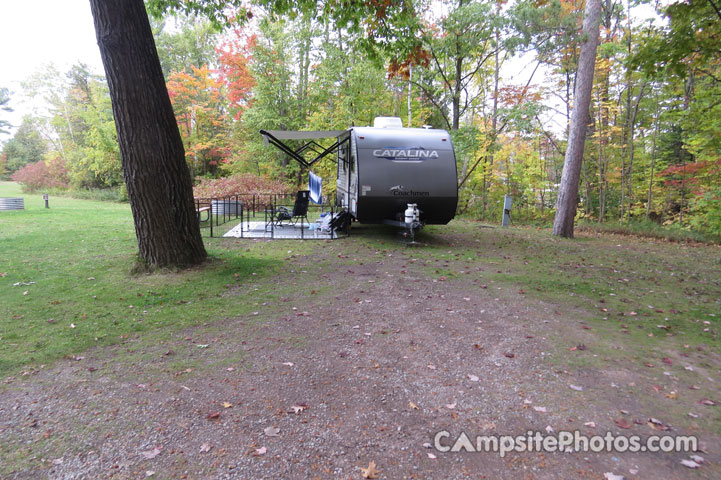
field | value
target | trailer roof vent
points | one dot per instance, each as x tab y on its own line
387	122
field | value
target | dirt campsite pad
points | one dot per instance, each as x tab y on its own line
368	349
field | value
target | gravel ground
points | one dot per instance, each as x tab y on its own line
367	369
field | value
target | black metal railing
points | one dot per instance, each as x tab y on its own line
217	211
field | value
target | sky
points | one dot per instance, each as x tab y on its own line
34	33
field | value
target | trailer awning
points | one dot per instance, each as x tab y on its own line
301	134
276	137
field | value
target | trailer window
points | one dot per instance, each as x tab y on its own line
342	159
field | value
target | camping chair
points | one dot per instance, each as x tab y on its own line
300	210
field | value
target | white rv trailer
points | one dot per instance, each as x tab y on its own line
386	172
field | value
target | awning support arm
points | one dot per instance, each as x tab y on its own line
295	154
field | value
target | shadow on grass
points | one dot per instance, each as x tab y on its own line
62	317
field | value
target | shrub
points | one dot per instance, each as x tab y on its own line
241	184
42	175
114	194
706	212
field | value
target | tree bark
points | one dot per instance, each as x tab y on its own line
567	200
153	159
632	150
653	160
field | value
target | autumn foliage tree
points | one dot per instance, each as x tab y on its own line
234	56
199	106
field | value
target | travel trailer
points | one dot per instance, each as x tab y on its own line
386	173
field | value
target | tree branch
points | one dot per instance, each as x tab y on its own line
478	66
549	137
501	129
716	8
433	101
440	69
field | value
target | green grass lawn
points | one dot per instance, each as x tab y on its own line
73	262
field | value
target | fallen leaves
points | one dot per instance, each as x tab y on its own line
260	451
299	408
150	454
371	471
657	424
213	416
227	405
272	432
205	448
623	423
509	355
413	405
612	476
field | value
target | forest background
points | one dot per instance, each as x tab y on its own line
653	146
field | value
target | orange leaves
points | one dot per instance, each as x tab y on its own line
198	103
401	67
513	95
234	57
246	182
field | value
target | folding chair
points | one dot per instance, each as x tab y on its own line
300	210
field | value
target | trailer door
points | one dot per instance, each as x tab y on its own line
343	176
352	177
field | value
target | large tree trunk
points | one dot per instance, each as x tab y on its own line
153	159
568	191
649	200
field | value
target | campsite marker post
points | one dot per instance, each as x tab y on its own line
46	198
506	211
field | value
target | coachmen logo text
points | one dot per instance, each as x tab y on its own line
400	191
405	154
